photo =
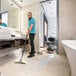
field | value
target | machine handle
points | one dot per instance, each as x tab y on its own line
26	37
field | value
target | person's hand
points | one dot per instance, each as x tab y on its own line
27	32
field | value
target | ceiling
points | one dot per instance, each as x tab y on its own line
7	4
26	2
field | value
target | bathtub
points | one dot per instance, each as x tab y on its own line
70	50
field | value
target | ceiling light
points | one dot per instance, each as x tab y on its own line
21	1
49	2
11	3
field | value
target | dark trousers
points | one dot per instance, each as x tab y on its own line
31	37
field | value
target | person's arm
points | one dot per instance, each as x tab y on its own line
29	29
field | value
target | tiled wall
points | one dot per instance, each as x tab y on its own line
67	21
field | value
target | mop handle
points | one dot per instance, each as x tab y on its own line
23	48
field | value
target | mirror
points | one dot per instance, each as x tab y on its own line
10	14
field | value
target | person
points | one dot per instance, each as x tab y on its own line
31	32
2	24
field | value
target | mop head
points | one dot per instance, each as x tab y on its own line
20	62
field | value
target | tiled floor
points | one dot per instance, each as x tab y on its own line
40	65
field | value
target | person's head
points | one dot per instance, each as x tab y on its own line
0	21
29	15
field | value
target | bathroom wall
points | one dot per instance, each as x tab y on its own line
0	6
13	18
0	9
67	21
35	9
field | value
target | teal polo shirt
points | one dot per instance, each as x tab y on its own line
32	21
3	24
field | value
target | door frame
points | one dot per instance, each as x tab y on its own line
57	23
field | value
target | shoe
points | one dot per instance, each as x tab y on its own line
31	55
30	52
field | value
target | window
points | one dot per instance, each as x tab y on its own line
5	17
